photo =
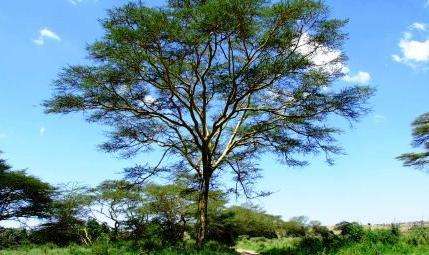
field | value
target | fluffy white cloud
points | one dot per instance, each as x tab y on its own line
327	59
360	78
414	51
44	34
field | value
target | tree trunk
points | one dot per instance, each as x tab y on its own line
202	212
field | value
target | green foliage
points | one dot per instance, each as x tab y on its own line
379	241
66	218
215	84
10	237
385	236
238	221
418	236
420	139
294	227
22	195
351	232
415	241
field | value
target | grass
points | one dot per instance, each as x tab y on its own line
100	250
380	249
414	242
374	242
261	244
282	246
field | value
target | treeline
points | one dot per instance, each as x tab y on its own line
150	216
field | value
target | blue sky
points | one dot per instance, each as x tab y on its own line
388	48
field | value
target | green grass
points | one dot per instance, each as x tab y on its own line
47	250
415	242
380	249
263	244
102	250
374	242
281	246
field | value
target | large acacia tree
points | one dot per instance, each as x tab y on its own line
215	84
420	139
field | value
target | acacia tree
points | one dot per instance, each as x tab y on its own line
214	84
22	195
118	201
420	139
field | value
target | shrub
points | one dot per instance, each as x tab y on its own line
10	237
292	229
384	236
351	232
418	236
330	240
311	244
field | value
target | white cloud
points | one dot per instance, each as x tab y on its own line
360	77
44	34
327	59
414	51
419	26
42	131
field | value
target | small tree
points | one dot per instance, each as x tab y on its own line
171	206
22	195
118	201
67	217
420	139
215	84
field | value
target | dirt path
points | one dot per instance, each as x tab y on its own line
246	252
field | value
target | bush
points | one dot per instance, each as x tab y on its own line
330	240
238	221
351	232
385	236
418	236
96	230
292	229
10	237
311	244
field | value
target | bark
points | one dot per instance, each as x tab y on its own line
202	212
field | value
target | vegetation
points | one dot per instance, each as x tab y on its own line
212	85
371	241
22	195
421	139
196	81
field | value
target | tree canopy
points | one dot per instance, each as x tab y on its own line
22	195
215	84
420	139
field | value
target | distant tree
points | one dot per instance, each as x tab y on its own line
215	84
171	206
66	222
251	221
22	195
420	139
118	201
350	231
